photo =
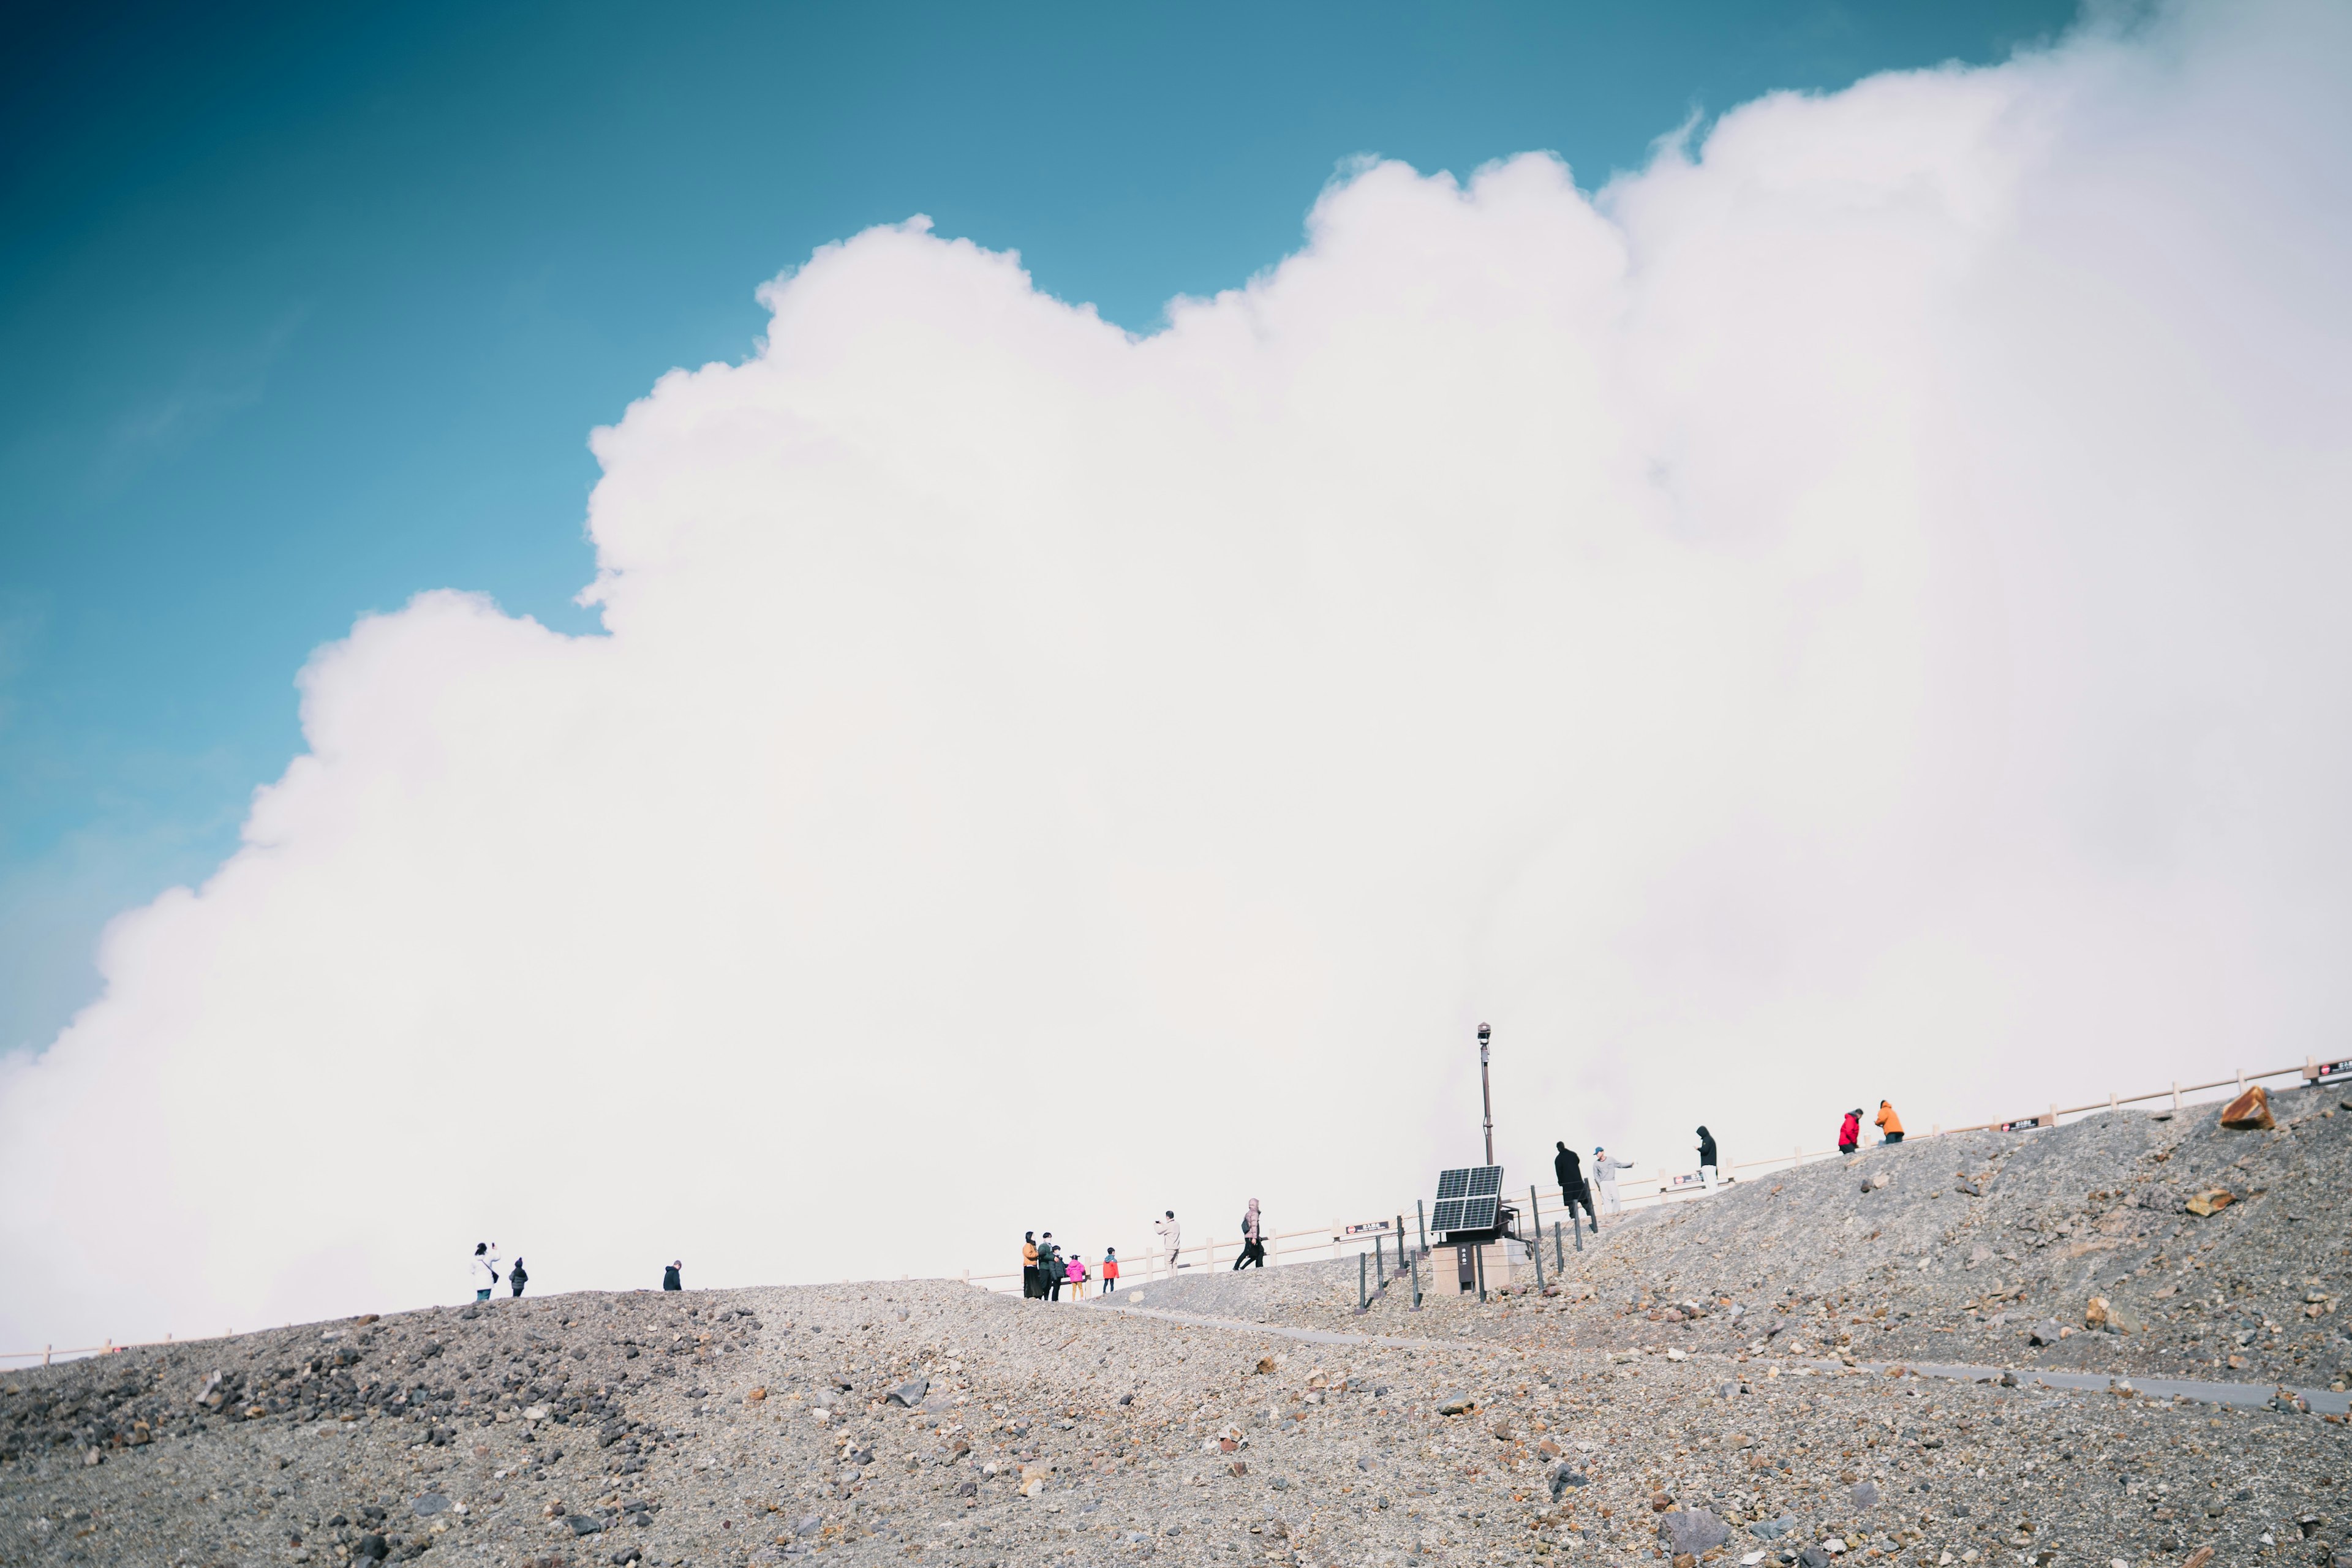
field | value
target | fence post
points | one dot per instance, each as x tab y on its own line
1412	1266
2176	1097
1421	1223
1362	1300
2241	1080
1479	1267
45	1354
1536	1251
2054	1115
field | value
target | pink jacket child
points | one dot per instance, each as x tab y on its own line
1073	1273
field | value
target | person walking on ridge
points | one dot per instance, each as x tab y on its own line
1252	1239
1849	1131
1171	1239
670	1281
1570	1171
517	1277
1890	1125
1606	1169
1049	1267
1110	1270
1029	1291
484	1272
1707	1164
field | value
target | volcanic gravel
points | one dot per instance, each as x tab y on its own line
1632	1415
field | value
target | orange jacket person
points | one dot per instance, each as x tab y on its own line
1889	1123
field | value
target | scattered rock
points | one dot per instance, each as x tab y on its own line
2211	1201
1692	1531
908	1395
2250	1112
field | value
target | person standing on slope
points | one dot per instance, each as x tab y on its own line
1605	1168
1252	1239
1570	1171
670	1281
1049	1267
1889	1125
1707	1165
1849	1131
1029	1291
1110	1270
484	1271
1171	1238
517	1277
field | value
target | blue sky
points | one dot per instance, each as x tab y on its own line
309	309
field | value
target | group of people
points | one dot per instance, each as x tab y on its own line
483	1271
1047	1270
1889	1125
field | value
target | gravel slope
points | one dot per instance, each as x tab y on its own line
742	1427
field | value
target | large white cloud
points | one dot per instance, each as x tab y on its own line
1852	610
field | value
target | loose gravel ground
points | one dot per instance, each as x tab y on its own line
1632	1416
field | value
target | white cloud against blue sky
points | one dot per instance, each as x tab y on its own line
1849	610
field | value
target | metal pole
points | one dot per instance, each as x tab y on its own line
1479	1267
1361	1300
1536	1251
1380	1259
1412	1266
1421	1221
1487	1091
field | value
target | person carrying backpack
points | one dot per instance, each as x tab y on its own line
484	1271
1252	1239
517	1277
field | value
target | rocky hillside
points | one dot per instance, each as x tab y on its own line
930	1422
1979	1248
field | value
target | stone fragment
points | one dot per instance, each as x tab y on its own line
909	1393
756	1395
2211	1202
2250	1112
1773	1528
430	1504
1455	1404
2048	1331
1692	1531
1865	1494
584	1524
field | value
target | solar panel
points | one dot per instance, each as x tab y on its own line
1463	1214
1470	1181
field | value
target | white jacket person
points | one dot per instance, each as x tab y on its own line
1604	1170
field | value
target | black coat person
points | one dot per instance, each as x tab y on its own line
1572	1190
670	1280
1707	1148
517	1277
